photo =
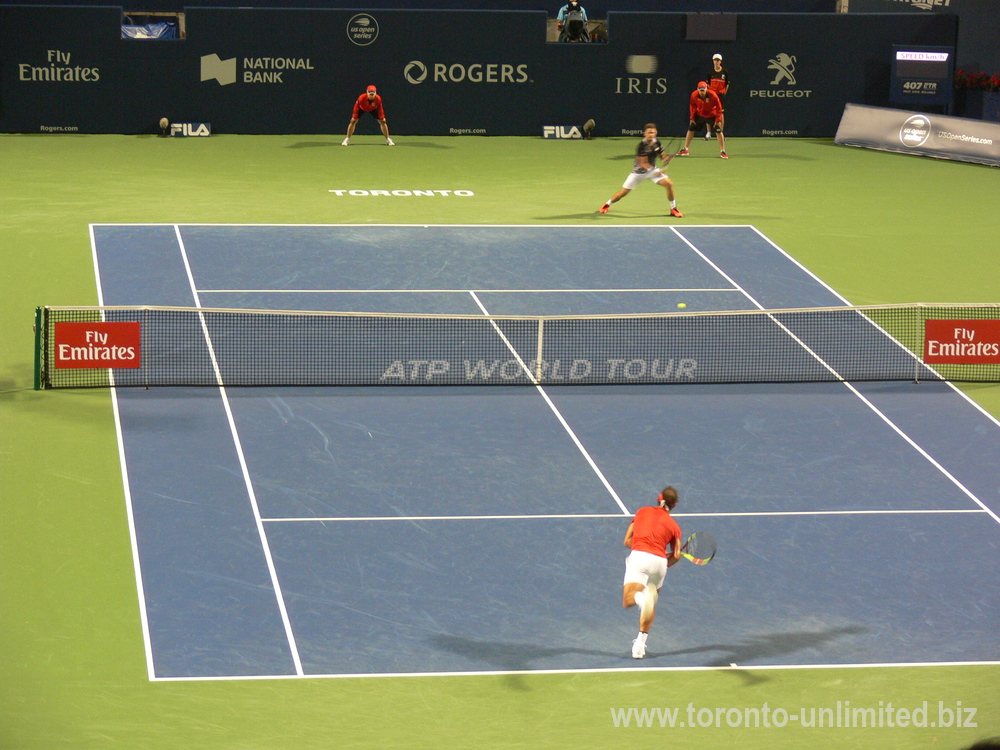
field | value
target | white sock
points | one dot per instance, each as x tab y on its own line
673	204
641	637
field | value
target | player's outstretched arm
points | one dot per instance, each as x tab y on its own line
628	535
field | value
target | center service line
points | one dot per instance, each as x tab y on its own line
555	410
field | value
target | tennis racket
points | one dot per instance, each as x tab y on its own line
699	548
670	150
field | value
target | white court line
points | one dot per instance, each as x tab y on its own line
553	227
834	292
596	670
709	514
555	410
243	466
456	291
913	444
136	564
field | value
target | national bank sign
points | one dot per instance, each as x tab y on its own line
275	70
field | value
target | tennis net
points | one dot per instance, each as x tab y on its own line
160	346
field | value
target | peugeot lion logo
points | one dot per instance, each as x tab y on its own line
415	71
784	64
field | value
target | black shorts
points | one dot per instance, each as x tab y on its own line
700	122
372	112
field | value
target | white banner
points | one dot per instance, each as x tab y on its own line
940	136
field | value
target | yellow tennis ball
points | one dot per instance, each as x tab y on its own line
681	305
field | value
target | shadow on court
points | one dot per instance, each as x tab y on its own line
376	141
508	657
585	215
763	646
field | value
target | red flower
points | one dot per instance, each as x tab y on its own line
976	81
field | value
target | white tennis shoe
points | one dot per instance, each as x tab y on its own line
639	646
388	142
346	142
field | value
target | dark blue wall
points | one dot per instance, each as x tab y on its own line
645	72
595	8
979	26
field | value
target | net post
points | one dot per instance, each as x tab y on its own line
538	352
922	328
38	348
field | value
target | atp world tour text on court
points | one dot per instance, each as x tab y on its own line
555	369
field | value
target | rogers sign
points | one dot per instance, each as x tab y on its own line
417	72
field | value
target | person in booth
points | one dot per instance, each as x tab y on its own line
571	22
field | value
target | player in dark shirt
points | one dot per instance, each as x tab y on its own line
718	81
645	168
371	102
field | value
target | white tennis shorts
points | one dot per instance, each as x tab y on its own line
634	180
645	568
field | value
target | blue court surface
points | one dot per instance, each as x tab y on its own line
386	530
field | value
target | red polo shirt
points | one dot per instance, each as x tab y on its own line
710	107
653	530
362	104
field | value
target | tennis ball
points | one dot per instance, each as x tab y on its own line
681	305
164	123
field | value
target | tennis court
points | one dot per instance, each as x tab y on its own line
390	530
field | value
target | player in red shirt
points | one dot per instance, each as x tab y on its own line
705	109
369	101
650	535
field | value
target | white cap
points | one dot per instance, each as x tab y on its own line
716	56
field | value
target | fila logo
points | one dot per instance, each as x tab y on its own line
190	129
561	131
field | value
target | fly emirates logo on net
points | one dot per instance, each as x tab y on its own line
98	345
962	342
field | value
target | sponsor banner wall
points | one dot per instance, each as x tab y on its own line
595	8
955	138
59	69
440	73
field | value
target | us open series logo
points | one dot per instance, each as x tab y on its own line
362	29
915	131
